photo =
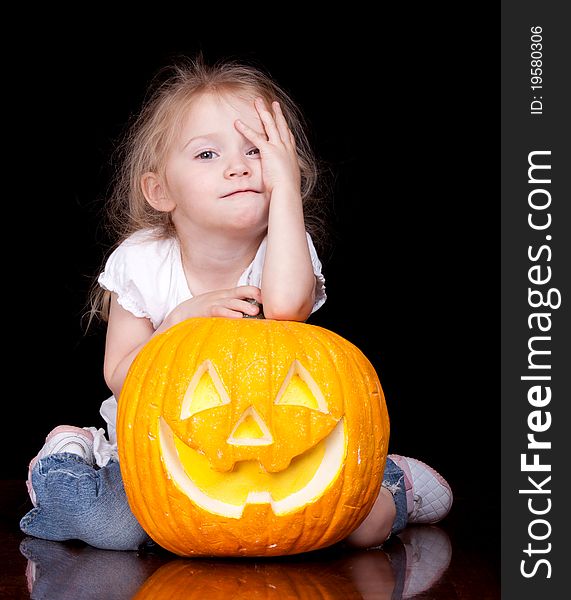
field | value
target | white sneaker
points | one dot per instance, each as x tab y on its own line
64	438
428	495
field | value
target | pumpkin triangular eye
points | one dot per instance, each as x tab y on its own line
204	391
299	389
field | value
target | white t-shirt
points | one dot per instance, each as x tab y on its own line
148	277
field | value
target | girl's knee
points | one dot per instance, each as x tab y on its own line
77	501
369	535
67	483
377	526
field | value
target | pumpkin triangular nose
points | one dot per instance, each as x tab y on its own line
250	430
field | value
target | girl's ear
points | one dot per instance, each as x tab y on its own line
155	193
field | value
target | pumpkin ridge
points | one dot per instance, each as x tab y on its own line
341	345
168	527
326	349
151	458
270	345
363	381
206	326
366	370
127	409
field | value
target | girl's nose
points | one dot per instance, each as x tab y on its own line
237	168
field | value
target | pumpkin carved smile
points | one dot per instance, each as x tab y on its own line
227	494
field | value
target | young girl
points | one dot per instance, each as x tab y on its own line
214	204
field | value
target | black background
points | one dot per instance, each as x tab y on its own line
394	111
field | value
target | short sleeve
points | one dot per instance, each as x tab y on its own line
118	277
320	295
146	273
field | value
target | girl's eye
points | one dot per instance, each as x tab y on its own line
207	152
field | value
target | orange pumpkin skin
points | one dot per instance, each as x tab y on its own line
245	437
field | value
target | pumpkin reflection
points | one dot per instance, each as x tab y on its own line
407	566
321	580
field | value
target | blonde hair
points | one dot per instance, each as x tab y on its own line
147	140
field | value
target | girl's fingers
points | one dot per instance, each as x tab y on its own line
233	307
285	133
252	135
243	307
276	128
222	311
248	291
268	120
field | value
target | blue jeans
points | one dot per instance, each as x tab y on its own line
77	501
393	480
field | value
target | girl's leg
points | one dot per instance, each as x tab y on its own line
389	512
411	492
376	527
77	501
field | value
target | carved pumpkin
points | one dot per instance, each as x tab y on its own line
251	437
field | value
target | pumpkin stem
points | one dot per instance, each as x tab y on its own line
260	315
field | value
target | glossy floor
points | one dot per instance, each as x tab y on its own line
458	559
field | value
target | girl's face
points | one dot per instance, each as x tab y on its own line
213	174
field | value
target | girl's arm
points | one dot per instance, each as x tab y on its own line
288	281
126	335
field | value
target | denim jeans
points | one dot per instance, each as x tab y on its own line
77	501
393	480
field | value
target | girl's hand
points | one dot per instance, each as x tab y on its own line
220	303
280	166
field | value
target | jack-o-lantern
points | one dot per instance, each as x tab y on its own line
244	437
